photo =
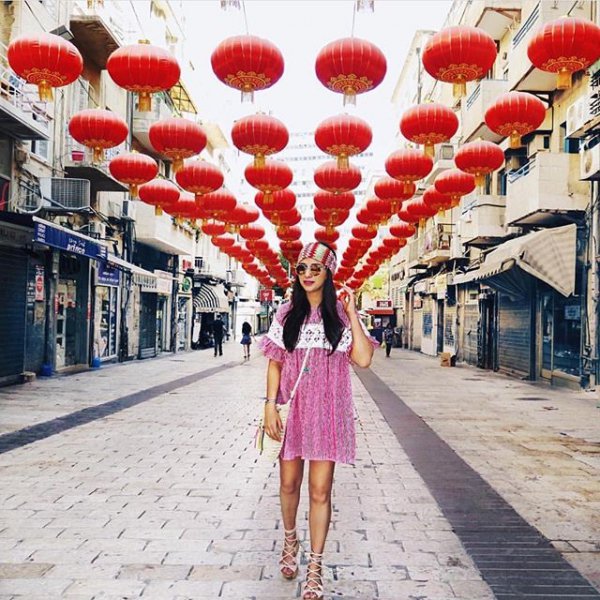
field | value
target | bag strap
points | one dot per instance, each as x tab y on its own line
293	392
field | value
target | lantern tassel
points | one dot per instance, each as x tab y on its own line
563	81
343	162
430	150
98	155
349	97
515	140
479	180
158	211
144	102
459	89
259	161
177	164
133	190
45	91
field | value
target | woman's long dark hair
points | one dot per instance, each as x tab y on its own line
300	311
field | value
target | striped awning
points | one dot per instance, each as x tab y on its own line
548	255
210	299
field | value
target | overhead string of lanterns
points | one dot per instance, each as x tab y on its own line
348	66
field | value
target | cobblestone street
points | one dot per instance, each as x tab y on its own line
157	493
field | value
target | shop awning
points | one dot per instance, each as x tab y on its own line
147	280
547	255
210	299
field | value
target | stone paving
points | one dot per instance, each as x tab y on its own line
166	499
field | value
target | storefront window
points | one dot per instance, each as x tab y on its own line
106	322
567	334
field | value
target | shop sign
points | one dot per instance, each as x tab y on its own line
73	242
266	295
422	287
39	283
107	275
185	285
147	283
573	312
163	282
441	285
383	303
13	235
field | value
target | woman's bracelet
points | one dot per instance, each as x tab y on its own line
270	400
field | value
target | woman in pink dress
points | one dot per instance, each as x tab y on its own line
320	425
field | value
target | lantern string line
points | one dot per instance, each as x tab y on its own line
354	10
245	17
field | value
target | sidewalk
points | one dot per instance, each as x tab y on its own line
539	447
165	499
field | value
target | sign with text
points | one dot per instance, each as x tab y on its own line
266	295
73	242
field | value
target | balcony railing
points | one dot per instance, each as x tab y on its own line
21	95
527	26
523	171
27	197
471	99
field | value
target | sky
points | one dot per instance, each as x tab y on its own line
300	28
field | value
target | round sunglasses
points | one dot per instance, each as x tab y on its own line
315	269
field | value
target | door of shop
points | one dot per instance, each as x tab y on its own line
13	282
66	323
560	329
440	326
147	325
486	346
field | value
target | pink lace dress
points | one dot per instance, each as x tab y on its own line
321	421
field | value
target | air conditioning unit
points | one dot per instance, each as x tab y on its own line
114	210
578	114
65	194
128	210
590	163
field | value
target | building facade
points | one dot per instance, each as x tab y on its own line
508	280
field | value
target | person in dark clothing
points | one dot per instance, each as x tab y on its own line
388	336
246	339
218	329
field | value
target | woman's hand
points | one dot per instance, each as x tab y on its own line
348	300
272	421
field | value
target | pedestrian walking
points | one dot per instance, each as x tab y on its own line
218	330
320	425
246	339
388	338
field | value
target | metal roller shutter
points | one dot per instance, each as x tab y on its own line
514	335
13	284
468	348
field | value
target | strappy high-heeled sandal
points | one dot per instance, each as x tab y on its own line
313	587
289	555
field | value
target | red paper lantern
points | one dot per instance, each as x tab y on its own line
98	129
144	70
330	219
455	184
479	158
177	139
515	114
277	201
420	211
259	135
159	193
46	60
565	46
240	215
199	177
213	228
393	191
334	202
362	232
436	200
428	124
331	178
343	136
288	233
247	63
252	232
185	208
459	54
380	211
326	235
218	204
408	165
274	176
402	230
350	66
223	241
133	169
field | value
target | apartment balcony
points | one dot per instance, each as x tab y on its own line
443	159
437	242
522	75
415	254
161	233
493	16
22	115
546	191
97	30
473	110
162	108
482	222
78	164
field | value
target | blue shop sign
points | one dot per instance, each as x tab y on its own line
107	274
59	237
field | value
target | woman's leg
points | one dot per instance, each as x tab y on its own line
290	482
320	483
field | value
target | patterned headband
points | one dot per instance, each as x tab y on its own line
320	253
